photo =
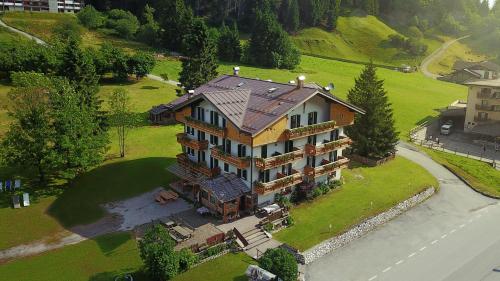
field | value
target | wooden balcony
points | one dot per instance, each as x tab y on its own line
278	184
310	130
279	160
206	127
184	140
313	150
201	167
240	162
326	168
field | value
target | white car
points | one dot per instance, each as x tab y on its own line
446	129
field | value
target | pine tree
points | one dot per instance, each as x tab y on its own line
229	46
289	15
373	133
333	14
201	64
270	45
80	70
175	19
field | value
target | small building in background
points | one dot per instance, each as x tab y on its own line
464	72
162	115
52	6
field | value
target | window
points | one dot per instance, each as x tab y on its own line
263	151
288	146
189	130
214	118
224	123
334	135
244	175
295	122
226	167
312	118
241	174
214	140
201	136
264	176
238	173
311	161
203	156
200	113
190	151
227	146
332	156
286	169
311	140
242	150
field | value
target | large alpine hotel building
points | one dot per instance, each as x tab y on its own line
246	140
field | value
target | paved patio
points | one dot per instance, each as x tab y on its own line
143	209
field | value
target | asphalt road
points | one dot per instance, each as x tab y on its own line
453	236
436	54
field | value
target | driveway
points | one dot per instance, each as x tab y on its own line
448	237
435	55
29	36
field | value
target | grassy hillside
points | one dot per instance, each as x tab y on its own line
414	97
42	25
358	39
9	38
458	51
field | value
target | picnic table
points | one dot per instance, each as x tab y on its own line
163	197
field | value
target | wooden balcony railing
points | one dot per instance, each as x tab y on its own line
310	130
206	127
201	167
240	162
279	160
313	150
281	183
326	168
184	140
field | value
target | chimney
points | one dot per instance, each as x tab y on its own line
190	93
300	81
236	71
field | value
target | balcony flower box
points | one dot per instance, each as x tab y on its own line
207	127
310	130
240	162
279	160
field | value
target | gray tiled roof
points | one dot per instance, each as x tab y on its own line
253	104
161	108
459	65
226	187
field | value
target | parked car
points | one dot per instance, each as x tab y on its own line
446	128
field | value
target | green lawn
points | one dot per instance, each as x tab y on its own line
415	98
99	259
9	38
42	25
479	174
359	39
366	192
230	267
150	150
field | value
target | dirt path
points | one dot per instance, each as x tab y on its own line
435	55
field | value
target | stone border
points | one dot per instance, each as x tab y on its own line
361	229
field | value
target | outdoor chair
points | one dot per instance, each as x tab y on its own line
15	202
26	199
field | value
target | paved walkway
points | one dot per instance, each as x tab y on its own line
442	237
29	36
158	78
435	55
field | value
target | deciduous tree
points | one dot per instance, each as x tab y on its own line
121	116
280	262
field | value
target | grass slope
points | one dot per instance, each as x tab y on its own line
230	267
150	149
366	192
456	52
356	38
414	97
4	117
98	259
43	24
479	174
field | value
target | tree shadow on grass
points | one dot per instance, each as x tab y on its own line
150	87
110	243
81	202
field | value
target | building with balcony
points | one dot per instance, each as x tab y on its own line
53	6
483	107
254	139
465	71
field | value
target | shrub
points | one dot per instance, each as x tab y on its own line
324	188
268	227
90	17
280	262
164	76
158	255
414	32
282	200
123	22
316	192
334	184
290	221
186	260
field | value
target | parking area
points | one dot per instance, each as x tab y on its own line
457	141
